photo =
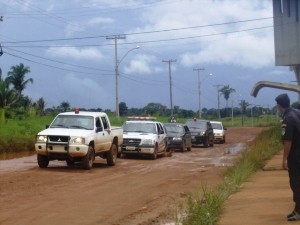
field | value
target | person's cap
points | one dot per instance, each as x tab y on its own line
283	100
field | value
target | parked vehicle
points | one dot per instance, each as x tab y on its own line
78	137
179	136
144	136
201	131
219	131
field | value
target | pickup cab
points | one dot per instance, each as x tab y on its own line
79	137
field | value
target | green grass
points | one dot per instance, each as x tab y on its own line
206	209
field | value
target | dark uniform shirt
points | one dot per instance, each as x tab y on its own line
291	132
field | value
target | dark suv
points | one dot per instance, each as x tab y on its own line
201	131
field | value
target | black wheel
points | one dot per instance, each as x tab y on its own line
154	155
112	155
43	161
70	162
206	143
211	143
87	161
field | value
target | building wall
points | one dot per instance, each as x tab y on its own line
286	32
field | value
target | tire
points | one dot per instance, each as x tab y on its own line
88	160
70	162
112	155
189	149
206	143
43	161
211	144
154	155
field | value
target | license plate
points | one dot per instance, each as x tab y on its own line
131	148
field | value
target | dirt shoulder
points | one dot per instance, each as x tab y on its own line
137	191
265	198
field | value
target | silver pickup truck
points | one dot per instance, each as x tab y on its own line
79	137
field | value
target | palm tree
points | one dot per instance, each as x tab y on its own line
8	97
226	91
17	77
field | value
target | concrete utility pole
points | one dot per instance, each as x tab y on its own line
170	80
199	91
116	37
218	93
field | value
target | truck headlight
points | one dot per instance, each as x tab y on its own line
77	140
41	138
147	142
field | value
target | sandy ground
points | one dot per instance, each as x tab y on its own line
137	191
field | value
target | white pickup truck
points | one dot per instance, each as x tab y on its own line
78	137
144	136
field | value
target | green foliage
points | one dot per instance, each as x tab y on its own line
206	209
19	135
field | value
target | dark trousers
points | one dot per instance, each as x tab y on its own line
294	175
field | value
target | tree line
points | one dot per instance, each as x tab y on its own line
13	103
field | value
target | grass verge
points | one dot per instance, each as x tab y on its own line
206	209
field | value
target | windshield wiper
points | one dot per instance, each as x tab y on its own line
78	127
58	125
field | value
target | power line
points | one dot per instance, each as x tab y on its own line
139	33
55	67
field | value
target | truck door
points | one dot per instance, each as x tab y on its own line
99	144
107	134
161	137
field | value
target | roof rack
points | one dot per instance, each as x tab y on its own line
149	118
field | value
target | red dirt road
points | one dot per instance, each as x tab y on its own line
134	192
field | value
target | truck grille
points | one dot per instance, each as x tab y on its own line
131	141
59	139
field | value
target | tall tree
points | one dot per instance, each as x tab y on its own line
123	108
17	77
226	91
65	106
8	97
40	105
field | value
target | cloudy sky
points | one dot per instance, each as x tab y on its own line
69	48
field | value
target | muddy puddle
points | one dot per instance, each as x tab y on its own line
236	148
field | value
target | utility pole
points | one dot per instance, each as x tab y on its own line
199	90
218	93
1	51
170	81
116	37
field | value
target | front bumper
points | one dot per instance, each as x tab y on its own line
175	144
143	149
219	137
51	150
198	139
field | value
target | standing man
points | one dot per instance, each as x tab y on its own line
291	149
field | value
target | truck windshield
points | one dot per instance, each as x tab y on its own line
174	129
139	127
73	122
